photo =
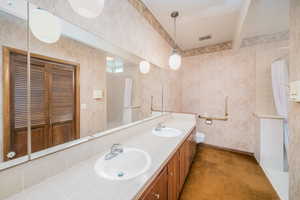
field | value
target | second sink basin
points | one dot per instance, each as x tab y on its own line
127	165
167	132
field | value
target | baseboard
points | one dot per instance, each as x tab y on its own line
228	149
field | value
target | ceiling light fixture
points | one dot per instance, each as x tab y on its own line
175	58
45	26
144	67
88	8
108	58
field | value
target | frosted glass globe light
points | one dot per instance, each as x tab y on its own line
45	26
87	8
144	67
175	61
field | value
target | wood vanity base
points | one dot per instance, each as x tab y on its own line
168	184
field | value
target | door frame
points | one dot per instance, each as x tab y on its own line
7	98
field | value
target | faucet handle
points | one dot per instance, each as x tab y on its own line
115	146
161	125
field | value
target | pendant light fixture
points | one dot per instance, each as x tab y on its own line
45	26
144	67
175	58
87	8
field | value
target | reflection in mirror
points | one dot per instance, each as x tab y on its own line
13	109
131	95
152	92
122	81
80	85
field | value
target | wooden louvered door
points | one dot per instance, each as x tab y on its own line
174	177
18	114
62	103
54	102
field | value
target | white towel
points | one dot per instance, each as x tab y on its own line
127	111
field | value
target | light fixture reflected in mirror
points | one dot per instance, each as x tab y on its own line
175	58
88	8
108	58
45	26
144	67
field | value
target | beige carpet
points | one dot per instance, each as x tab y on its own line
222	175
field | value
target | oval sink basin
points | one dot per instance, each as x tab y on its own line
167	132
129	164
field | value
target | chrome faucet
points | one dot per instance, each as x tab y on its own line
115	150
159	127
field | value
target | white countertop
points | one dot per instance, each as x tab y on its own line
81	182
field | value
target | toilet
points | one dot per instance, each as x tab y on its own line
200	137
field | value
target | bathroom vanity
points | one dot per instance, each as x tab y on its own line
74	173
169	182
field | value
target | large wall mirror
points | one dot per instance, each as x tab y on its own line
80	85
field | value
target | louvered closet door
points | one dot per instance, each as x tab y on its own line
18	78
62	103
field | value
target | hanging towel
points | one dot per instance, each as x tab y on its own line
127	111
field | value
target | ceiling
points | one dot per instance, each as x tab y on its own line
266	17
219	18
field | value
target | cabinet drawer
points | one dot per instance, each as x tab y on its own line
158	189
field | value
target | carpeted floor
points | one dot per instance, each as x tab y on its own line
222	175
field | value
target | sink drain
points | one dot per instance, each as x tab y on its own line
120	174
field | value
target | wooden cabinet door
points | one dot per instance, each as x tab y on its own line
186	156
193	145
174	177
158	189
18	106
62	104
183	160
55	115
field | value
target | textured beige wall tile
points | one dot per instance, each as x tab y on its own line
152	85
294	114
120	24
244	76
11	181
36	171
92	69
265	55
207	80
92	77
